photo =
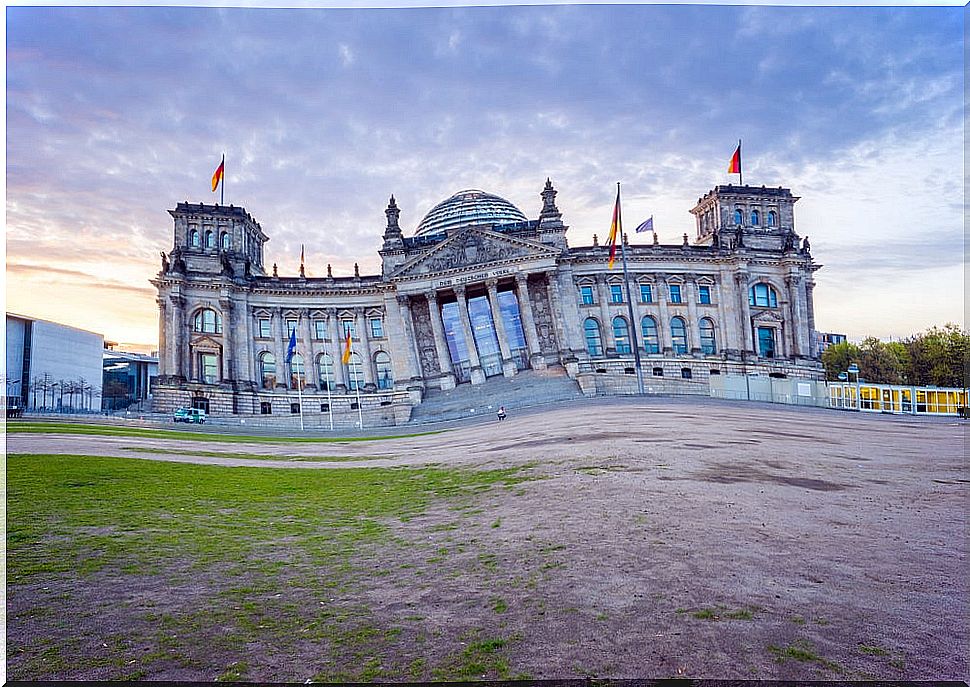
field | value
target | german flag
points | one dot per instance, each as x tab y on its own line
734	166
616	228
346	357
218	174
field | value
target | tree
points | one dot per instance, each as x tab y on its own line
838	357
939	357
878	362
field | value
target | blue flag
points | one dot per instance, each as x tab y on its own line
291	349
646	226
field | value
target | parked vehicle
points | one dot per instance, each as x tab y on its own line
14	409
195	415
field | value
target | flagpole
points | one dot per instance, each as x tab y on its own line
333	363
360	413
222	197
629	298
299	381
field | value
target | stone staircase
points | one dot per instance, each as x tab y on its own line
527	388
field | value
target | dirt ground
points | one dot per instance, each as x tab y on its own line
665	538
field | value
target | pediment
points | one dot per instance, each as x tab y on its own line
474	248
207	343
767	316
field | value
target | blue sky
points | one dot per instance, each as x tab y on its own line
115	114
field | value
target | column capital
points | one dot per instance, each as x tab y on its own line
431	295
460	291
491	284
741	277
177	301
522	280
404	301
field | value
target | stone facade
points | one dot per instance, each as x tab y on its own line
476	300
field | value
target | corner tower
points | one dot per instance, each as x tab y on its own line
217	239
756	217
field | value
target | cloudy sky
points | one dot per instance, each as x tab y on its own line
115	114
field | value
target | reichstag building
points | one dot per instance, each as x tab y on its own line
480	291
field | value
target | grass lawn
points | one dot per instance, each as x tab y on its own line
270	556
54	427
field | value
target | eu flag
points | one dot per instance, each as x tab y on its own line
291	349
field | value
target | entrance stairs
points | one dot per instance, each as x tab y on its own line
527	388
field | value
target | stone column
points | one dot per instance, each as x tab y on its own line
163	325
311	375
569	303
747	336
528	322
792	285
721	340
663	326
508	366
810	318
603	296
440	343
179	337
336	349
411	365
279	346
228	340
558	318
365	353
693	326
477	373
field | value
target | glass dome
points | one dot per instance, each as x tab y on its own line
465	208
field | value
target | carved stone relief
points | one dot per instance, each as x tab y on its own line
542	314
425	337
468	250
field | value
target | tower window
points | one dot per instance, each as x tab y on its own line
207	321
772	218
762	296
755	218
586	295
210	240
738	217
226	241
194	238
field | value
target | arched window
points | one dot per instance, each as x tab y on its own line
382	363
621	333
208	321
355	372
297	372
651	342
738	217
772	218
210	240
194	238
325	367
762	296
708	338
594	341
755	218
226	241
267	370
678	335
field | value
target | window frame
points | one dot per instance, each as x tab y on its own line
621	337
679	349
704	291
376	332
586	295
616	294
650	347
679	299
592	343
646	290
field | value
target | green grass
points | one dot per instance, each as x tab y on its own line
253	456
84	513
55	427
803	652
873	650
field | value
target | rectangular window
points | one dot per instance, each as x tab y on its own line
658	372
290	326
347	327
320	329
704	295
675	293
295	408
586	295
265	408
616	293
376	328
766	342
324	407
264	328
210	367
646	293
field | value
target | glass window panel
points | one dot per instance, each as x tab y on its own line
678	335
377	328
616	293
766	342
320	329
586	295
210	368
454	332
646	293
325	364
651	341
675	293
621	333
594	342
385	377
704	295
264	330
267	370
297	373
508	306
708	342
355	372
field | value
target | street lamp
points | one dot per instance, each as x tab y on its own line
853	369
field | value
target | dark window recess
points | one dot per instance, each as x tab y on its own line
778	375
265	408
385	403
295	408
686	373
601	370
658	372
629	371
355	405
324	407
201	404
715	371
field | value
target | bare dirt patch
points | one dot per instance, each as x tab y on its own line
664	544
